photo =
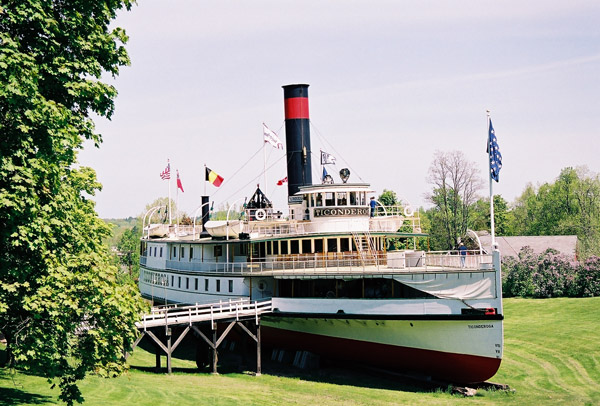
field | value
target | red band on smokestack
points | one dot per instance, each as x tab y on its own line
296	107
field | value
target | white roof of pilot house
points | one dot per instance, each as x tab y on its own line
510	246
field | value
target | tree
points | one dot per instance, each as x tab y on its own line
128	247
480	216
161	214
388	198
456	182
61	310
568	206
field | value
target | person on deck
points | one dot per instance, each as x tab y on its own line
462	250
373	204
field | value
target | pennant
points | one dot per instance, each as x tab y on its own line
280	182
271	138
327	159
493	151
179	185
166	174
213	177
325	174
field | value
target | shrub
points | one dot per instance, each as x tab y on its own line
549	274
554	276
587	281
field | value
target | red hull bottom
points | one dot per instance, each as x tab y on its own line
459	368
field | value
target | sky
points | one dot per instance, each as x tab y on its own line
391	83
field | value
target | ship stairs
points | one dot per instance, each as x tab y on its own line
241	312
365	248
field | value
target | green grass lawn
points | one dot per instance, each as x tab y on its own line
551	356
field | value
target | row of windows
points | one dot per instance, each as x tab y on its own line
162	279
337	199
282	247
155	251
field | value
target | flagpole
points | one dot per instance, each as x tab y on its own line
169	185
204	179
177	202
265	163
491	188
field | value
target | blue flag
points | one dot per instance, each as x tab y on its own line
494	152
324	174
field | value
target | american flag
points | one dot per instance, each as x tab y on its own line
166	174
494	152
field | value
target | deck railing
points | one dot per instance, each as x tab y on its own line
346	262
242	308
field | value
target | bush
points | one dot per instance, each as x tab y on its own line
550	274
587	281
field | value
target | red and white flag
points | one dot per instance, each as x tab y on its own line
166	174
280	182
179	185
272	138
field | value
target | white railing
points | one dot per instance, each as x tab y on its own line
346	262
231	309
453	259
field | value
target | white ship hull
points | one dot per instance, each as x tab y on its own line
463	351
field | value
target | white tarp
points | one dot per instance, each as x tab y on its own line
459	285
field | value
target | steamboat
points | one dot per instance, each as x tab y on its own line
346	279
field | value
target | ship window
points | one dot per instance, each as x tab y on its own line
353	198
218	285
230	285
187	283
243	249
182	254
363	199
284	247
206	285
342	199
218	251
172	280
319	199
174	252
161	252
295	247
306	248
319	245
344	244
332	245
269	247
191	252
329	200
275	247
196	284
179	281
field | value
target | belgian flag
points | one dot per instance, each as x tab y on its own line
213	177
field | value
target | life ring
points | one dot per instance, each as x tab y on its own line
260	214
408	211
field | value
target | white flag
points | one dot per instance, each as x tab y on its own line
327	159
272	138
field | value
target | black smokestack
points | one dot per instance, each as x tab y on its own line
297	137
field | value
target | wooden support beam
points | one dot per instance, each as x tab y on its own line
157	341
215	356
227	330
135	343
169	352
201	334
258	357
247	331
180	338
